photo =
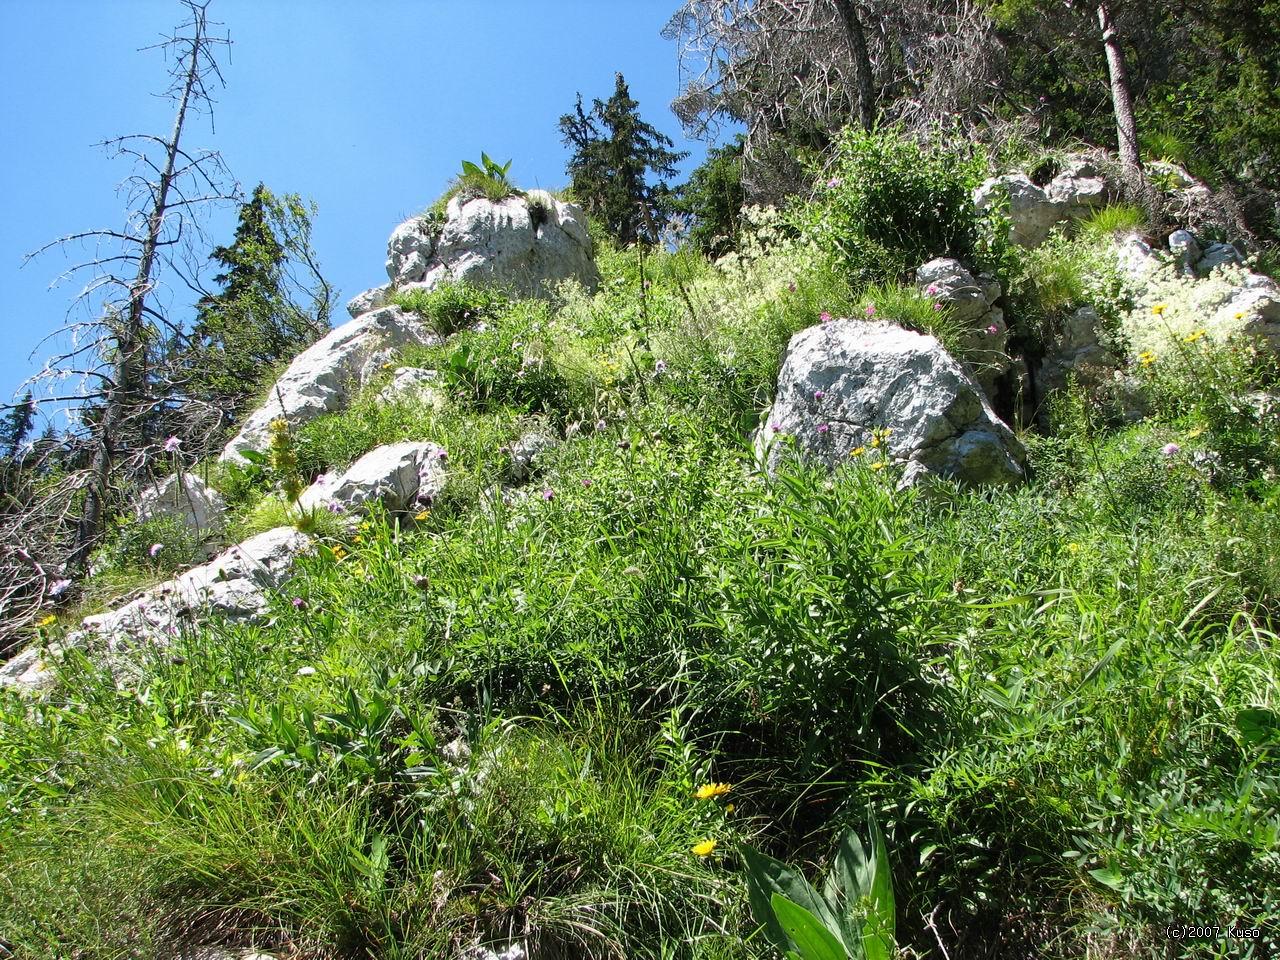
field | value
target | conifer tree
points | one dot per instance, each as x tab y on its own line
17	426
614	154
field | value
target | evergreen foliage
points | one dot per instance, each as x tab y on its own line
712	199
17	425
615	152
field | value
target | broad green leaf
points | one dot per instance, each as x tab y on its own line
1108	876
878	930
1257	725
813	940
469	168
767	876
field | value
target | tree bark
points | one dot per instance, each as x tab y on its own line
1121	97
857	40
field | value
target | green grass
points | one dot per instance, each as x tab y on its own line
1060	701
1112	220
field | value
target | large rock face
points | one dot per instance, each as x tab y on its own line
843	384
197	505
322	377
235	585
400	475
524	245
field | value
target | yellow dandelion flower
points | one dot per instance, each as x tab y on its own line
709	790
48	621
1159	308
1240	315
421	515
878	466
357	539
857	451
704	848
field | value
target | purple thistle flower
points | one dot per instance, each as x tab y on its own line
548	494
819	394
586	483
824	317
333	506
442	454
932	290
824	428
171	445
937	306
834	182
775	426
791	287
1170	449
299	603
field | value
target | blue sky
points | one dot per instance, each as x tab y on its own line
366	108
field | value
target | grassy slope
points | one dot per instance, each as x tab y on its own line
1039	691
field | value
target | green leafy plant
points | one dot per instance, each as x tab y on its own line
451	307
1113	219
488	179
851	918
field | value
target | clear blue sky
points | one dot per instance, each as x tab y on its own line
366	108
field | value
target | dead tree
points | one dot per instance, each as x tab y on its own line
116	353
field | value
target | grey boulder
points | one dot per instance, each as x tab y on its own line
399	475
185	496
843	381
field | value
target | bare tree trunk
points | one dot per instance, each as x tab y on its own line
857	40
126	403
1121	98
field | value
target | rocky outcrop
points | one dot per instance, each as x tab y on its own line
371	299
322	377
234	585
414	383
1033	210
527	451
1075	350
971	301
399	475
185	496
854	387
523	244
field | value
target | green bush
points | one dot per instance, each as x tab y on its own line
451	307
888	205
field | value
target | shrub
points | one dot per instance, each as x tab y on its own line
889	205
450	307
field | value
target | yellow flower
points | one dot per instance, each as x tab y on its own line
1195	433
1146	358
1159	308
709	790
728	808
48	621
1240	315
857	451
1195	335
339	552
357	539
1073	548
421	515
704	848
878	466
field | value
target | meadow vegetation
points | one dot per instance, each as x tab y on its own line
1060	703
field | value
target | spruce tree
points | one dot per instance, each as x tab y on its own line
17	426
615	152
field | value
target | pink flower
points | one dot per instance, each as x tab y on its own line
442	454
932	290
819	394
548	494
871	309
824	428
299	603
586	483
993	330
824	317
155	549
1170	449
775	426
171	445
937	306
834	182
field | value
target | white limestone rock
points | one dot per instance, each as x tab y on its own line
400	475
971	301
187	497
322	377
414	383
371	299
843	380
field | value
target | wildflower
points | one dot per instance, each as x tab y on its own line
1073	548
824	428
601	425
48	621
857	451
824	317
422	582
333	506
548	494
932	290
339	552
388	366
357	539
993	330
871	310
791	287
171	445
1195	335
937	306
1159	308
1240	315
1170	449
585	483
1146	358
155	549
709	790
878	465
442	454
704	848
299	603
833	182
421	515
775	426
819	394
728	808
306	671
1196	432
660	367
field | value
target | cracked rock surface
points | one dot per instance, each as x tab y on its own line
844	383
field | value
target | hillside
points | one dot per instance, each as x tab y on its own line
965	532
